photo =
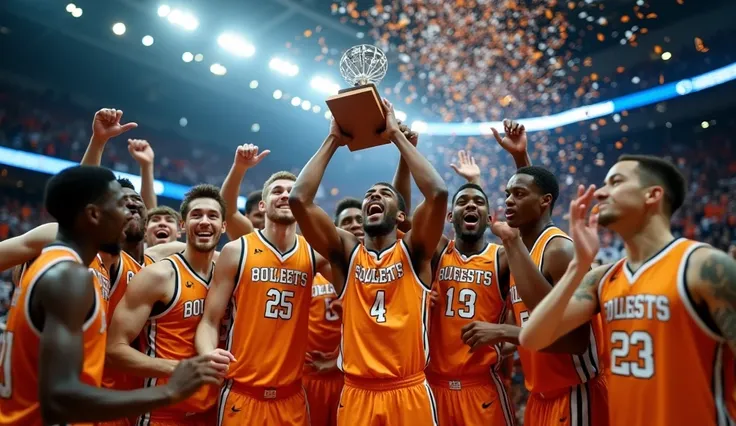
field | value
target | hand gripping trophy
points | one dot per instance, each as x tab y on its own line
358	110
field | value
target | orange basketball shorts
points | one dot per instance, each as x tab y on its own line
240	405
376	402
581	405
119	422
475	401
323	395
172	419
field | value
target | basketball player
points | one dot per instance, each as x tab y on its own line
53	350
467	384
168	299
240	224
349	216
252	212
669	306
274	269
384	347
162	226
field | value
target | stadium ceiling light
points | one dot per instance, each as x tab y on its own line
253	84
705	124
419	126
118	28
277	94
198	57
324	85
147	40
284	67
77	12
218	69
182	19
306	105
328	114
236	45
183	122
164	10
666	56
255	127
316	109
71	7
187	57
296	100
400	115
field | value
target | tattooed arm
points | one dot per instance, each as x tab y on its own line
711	279
571	303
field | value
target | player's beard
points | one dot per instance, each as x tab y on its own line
111	248
384	227
468	236
281	217
135	232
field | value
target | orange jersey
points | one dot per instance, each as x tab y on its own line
19	349
126	269
385	315
103	276
324	323
668	367
169	334
270	311
148	260
469	291
547	372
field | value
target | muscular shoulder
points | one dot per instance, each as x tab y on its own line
152	282
710	274
67	281
556	257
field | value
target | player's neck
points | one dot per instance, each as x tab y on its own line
530	233
283	237
380	242
135	250
469	247
109	261
85	250
199	261
644	243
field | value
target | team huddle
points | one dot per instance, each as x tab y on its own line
368	317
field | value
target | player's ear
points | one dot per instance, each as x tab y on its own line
654	194
546	201
449	216
262	206
92	212
400	217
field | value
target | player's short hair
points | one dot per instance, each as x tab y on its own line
274	177
126	183
164	211
399	197
545	181
660	172
71	190
347	203
471	186
251	203
202	191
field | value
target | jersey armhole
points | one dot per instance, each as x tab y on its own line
160	309
496	259
544	250
348	271
700	316
435	265
241	263
602	280
424	285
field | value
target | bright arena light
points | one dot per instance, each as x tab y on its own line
147	40
77	12
324	85
198	57
187	57
400	115
118	28
217	69
255	127
306	105
277	94
419	126
236	45
283	67
296	101
71	7
666	56
183	19
164	10
328	114
316	109
253	84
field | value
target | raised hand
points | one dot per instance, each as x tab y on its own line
392	124
247	156
141	151
413	137
466	167
584	229
503	231
193	373
106	124
514	140
335	131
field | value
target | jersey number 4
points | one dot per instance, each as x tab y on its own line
640	365
6	353
279	304
378	310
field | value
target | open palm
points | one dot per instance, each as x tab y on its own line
584	229
247	156
514	140
466	167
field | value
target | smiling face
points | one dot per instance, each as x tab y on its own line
204	224
162	228
351	220
135	229
276	204
112	218
469	215
381	212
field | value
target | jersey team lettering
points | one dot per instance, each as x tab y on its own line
464	275
279	276
379	275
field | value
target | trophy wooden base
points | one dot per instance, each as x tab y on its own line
359	113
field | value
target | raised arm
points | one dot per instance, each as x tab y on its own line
23	248
142	153
246	156
227	273
514	142
144	290
105	126
332	243
466	167
402	178
429	216
63	397
711	278
160	251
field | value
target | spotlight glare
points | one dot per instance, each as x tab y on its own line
71	7
284	67
255	127
666	56
118	28
324	85
316	109
198	57
187	57
400	115
77	12
164	10
419	126
328	114
218	69
296	101
705	124
147	40
306	105
183	122
236	45
254	84
277	94
183	19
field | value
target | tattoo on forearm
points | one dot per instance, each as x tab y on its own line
719	272
587	288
